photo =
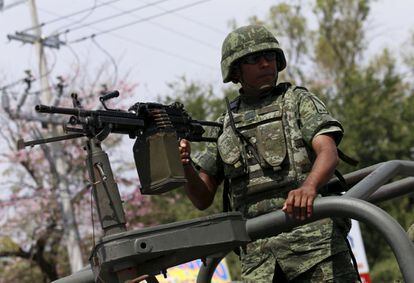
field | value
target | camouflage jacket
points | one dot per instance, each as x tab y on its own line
274	154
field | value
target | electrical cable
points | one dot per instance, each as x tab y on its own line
81	19
67	16
115	79
22	80
207	44
3	88
207	26
12	5
77	64
110	17
163	51
146	46
140	20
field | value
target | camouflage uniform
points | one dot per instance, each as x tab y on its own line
279	126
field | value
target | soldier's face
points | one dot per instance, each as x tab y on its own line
258	71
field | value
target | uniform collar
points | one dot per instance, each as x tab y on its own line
253	99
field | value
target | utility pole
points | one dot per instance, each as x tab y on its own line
72	238
44	82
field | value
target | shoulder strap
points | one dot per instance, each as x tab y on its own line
226	196
342	181
347	158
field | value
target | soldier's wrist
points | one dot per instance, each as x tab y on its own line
189	163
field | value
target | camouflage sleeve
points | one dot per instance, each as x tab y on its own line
209	159
334	130
315	119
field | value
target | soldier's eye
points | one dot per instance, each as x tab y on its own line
255	57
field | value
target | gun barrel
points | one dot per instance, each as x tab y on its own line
60	110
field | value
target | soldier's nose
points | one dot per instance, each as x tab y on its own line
263	62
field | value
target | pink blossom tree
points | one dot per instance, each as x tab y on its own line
33	226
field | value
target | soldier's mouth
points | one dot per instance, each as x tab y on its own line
267	74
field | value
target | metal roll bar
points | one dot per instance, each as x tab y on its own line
84	275
393	190
346	206
274	223
352	178
379	177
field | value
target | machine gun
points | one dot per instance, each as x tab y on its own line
122	255
156	128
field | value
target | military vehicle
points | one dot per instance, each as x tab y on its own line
134	256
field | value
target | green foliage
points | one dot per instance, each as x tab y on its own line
374	115
20	270
386	271
340	40
289	25
370	97
372	100
8	245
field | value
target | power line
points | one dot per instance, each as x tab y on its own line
23	80
111	17
207	26
146	46
4	8
91	10
77	64
163	51
3	88
207	44
69	15
140	20
115	79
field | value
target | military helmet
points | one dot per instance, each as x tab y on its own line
246	40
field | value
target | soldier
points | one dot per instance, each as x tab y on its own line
274	152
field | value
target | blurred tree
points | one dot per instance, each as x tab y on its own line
370	97
33	227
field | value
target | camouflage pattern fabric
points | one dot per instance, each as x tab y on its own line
297	251
336	269
305	247
271	126
258	265
410	233
246	40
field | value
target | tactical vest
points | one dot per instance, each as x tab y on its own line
282	160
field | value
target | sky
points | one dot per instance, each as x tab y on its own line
170	38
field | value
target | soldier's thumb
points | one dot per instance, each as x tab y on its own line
183	144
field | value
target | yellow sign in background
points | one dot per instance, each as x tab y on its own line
187	272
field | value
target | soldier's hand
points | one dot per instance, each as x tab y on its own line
299	203
185	151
